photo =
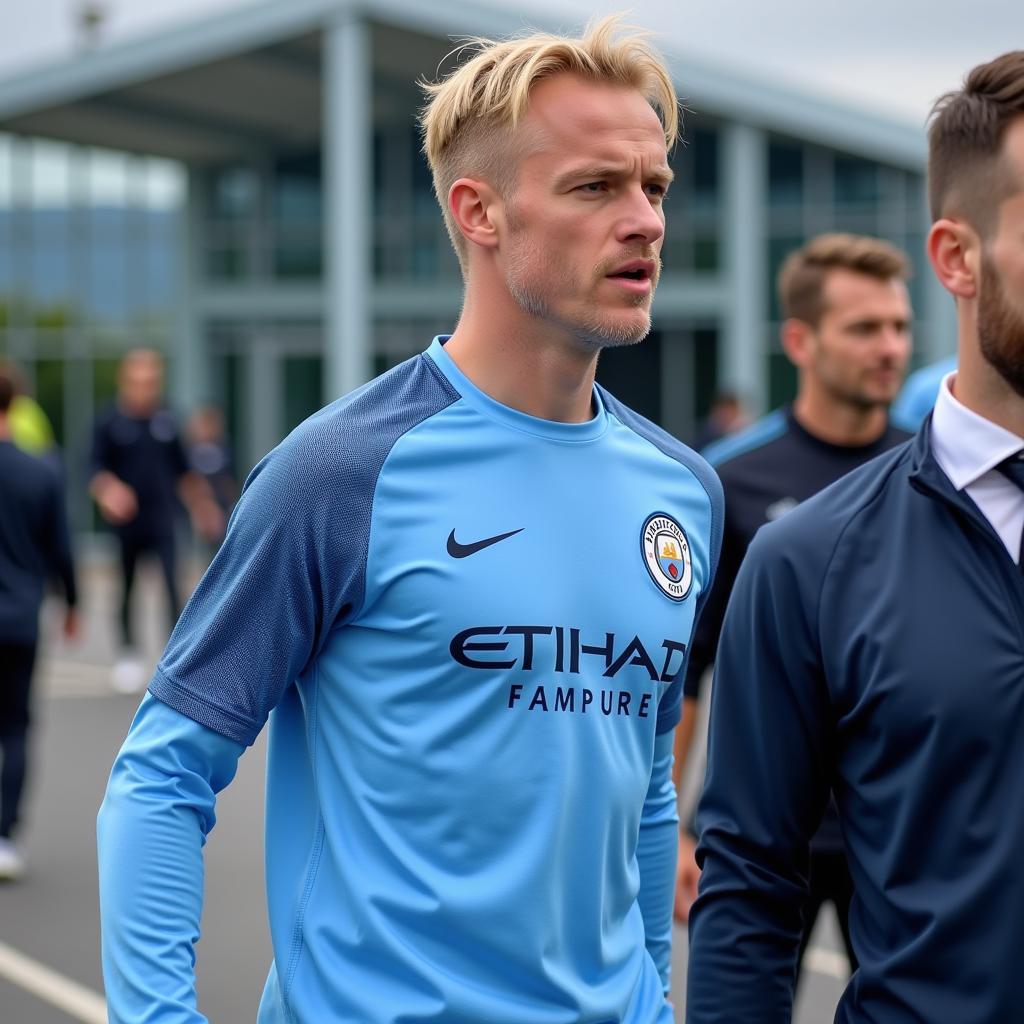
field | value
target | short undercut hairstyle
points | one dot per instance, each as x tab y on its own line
801	280
471	116
968	175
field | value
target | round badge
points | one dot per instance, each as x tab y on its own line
666	554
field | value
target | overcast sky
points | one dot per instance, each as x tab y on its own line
893	56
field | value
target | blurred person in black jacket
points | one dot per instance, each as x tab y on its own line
34	546
139	470
847	331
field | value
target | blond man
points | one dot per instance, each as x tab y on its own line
468	591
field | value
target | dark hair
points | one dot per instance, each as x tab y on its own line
966	171
801	280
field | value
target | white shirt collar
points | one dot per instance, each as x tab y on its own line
965	444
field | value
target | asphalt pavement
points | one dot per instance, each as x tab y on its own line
49	931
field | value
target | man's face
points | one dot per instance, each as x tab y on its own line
859	351
584	220
1001	288
140	384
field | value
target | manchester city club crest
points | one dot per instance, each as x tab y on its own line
666	554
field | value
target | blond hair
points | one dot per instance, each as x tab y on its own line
470	115
801	281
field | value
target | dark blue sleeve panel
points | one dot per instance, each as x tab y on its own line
707	478
292	567
767	782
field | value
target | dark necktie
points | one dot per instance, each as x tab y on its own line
1013	469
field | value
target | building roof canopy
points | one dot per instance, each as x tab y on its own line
247	83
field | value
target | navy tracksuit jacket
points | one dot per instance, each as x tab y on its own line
874	645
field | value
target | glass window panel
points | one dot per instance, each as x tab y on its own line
856	180
161	257
49	393
779	248
782	379
226	262
104	380
298	217
51	180
705	162
705	254
6	263
107	283
785	173
107	177
6	148
302	388
165	185
234	193
53	278
297	189
298	258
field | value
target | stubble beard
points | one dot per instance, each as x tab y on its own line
1000	329
533	284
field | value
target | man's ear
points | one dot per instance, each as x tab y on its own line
797	338
954	251
476	209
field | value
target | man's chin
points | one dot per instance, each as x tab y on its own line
615	335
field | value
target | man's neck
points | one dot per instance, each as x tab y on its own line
839	423
516	360
982	389
5	427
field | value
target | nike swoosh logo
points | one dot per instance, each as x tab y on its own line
457	550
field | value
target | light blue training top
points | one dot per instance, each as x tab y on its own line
468	628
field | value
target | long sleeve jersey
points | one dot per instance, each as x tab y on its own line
468	627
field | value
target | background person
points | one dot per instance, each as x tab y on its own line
872	646
34	547
474	677
847	331
727	415
917	398
209	457
139	469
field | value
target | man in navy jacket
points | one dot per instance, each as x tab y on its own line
874	647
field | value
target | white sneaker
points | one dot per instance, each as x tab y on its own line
129	676
12	864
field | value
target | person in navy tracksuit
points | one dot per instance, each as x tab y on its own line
874	647
34	548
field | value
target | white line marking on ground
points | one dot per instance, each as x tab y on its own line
74	999
827	961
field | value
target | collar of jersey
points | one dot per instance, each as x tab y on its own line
513	418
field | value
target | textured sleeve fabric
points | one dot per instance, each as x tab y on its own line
767	783
158	810
656	857
287	572
292	567
708	628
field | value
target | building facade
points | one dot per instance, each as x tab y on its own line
275	233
